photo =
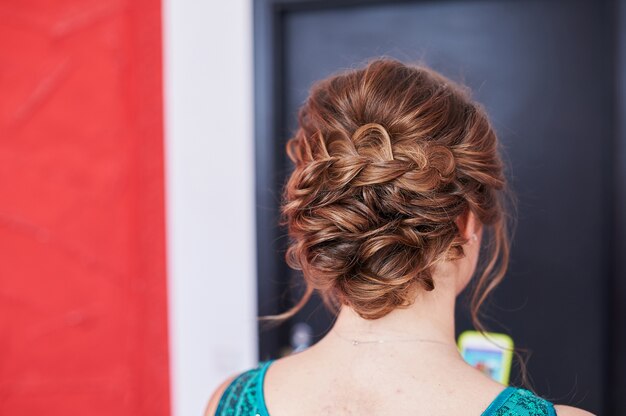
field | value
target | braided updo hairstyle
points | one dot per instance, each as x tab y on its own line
386	158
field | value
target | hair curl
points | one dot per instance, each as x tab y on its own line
386	158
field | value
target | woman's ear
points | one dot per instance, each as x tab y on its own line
468	224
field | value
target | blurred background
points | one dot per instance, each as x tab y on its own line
142	158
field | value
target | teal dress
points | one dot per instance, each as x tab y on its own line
244	397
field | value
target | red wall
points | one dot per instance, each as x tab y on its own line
83	319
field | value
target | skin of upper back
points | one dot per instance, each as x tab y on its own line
321	381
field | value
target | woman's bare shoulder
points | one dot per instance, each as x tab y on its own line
571	411
217	395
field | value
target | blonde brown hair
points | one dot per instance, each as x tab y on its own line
386	158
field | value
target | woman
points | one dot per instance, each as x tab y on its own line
397	175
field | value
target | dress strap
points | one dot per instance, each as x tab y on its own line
515	401
262	408
244	395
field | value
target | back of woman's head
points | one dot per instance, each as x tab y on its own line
387	157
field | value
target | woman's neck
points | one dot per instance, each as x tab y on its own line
430	318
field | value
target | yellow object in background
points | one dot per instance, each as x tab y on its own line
490	353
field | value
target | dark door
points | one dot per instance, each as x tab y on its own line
548	74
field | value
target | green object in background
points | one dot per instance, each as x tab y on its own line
490	353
